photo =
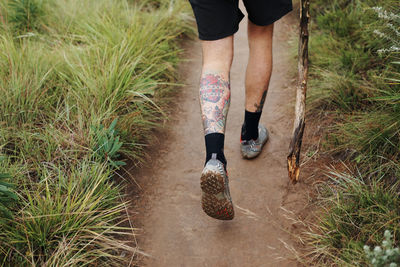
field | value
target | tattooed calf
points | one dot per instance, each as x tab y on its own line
214	102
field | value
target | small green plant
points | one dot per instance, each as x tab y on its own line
385	256
25	14
7	195
107	144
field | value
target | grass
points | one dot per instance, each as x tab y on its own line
25	15
354	81
69	219
83	85
356	211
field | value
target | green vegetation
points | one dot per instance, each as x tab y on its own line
82	85
356	211
107	145
352	81
385	255
7	195
355	82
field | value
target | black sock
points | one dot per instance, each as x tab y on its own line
215	144
250	125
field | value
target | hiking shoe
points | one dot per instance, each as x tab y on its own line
252	148
216	199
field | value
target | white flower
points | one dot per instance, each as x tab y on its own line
383	14
395	30
379	33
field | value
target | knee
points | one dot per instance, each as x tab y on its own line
217	64
218	55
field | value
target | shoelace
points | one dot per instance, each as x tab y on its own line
253	145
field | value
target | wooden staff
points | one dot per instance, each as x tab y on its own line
293	157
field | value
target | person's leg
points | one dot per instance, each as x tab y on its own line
214	101
217	22
215	93
258	74
259	68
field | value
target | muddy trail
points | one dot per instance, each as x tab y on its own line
175	231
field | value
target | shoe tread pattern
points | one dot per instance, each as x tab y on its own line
214	202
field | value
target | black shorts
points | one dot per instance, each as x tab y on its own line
217	19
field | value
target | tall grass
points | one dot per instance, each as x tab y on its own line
355	82
70	218
351	80
356	211
82	85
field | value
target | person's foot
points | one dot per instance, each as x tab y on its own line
252	148
216	199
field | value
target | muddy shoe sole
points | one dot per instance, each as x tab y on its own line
215	200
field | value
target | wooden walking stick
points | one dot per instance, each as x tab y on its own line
293	157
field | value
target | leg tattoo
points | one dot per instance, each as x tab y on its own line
260	106
214	102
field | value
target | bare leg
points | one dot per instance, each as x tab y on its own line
214	85
214	101
258	74
259	68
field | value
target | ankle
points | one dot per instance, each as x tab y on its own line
215	145
250	126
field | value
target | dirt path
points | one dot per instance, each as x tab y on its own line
176	232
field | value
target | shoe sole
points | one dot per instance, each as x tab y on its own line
212	184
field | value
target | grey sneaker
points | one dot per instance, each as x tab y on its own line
252	148
216	199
